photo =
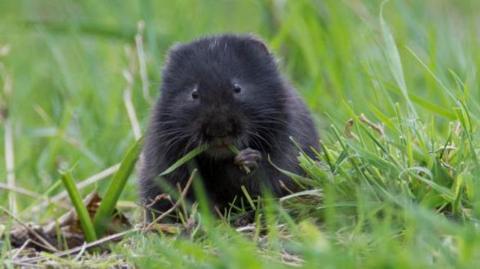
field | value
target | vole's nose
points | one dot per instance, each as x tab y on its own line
219	129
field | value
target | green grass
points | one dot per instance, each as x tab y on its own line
404	197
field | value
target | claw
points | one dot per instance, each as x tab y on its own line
248	159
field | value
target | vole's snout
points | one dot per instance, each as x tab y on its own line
221	131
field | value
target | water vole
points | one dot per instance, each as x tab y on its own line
225	90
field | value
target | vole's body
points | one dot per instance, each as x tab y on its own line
225	90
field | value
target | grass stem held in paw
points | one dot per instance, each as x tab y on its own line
192	154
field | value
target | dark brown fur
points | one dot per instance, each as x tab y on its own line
225	90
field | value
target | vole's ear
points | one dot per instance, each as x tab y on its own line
174	51
175	47
258	43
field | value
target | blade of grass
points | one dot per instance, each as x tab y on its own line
187	157
82	212
432	107
395	63
104	212
300	180
249	198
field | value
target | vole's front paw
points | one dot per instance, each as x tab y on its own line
248	159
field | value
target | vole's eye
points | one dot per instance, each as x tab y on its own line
237	88
195	94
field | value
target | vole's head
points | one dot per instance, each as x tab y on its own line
222	90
